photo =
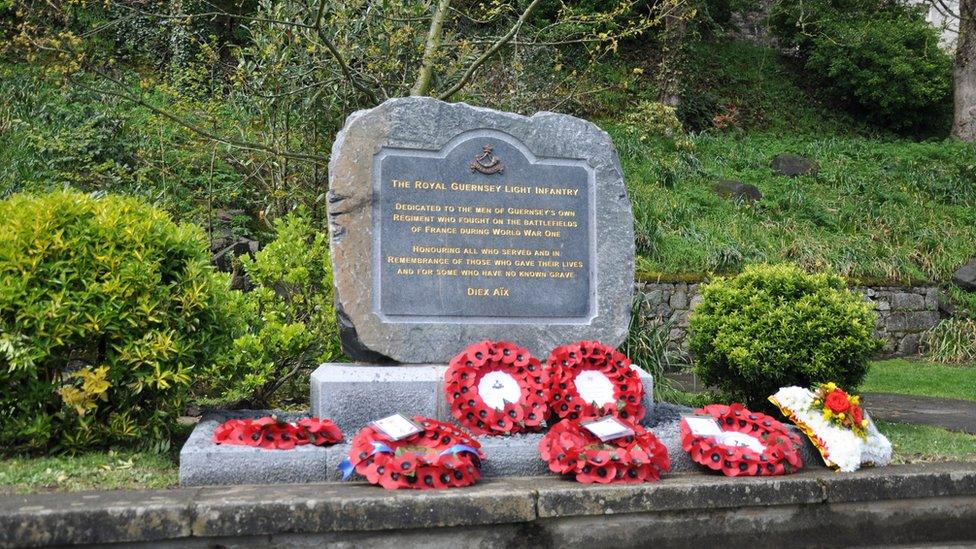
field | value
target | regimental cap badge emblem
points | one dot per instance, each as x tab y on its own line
487	163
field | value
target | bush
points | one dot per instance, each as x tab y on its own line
107	308
890	67
292	323
773	326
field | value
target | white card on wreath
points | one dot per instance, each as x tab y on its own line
607	428
735	438
703	426
397	426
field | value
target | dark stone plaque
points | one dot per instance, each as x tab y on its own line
482	229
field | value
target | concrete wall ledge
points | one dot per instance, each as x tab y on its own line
899	504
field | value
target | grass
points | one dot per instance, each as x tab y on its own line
918	443
92	471
921	378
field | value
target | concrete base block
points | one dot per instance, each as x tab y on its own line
352	395
204	463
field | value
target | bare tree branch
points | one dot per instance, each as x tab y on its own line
422	85
489	52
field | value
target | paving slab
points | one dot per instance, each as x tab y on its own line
948	413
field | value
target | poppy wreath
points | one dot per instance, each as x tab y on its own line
570	449
268	432
466	374
568	362
781	447
439	456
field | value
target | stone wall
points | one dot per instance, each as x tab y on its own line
903	312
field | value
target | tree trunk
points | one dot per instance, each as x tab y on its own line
669	75
964	74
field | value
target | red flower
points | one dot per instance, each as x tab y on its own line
463	385
267	432
440	456
594	359
780	447
837	401
857	415
569	448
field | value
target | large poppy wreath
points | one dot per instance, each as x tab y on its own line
750	444
497	388
570	448
268	432
439	456
589	378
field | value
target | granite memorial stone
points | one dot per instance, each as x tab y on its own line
452	224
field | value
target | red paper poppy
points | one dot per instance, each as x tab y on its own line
608	377
439	456
270	433
497	388
780	448
569	448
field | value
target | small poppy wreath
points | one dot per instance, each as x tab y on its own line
268	432
590	379
497	388
569	448
439	456
780	452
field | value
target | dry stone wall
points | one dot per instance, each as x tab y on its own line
904	313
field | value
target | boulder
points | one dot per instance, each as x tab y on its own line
965	277
794	165
737	191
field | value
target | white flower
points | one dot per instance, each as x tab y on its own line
839	446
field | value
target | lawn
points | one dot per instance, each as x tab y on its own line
92	471
921	378
916	443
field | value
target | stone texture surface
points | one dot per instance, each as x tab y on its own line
352	395
908	504
965	276
904	312
428	124
204	463
737	191
794	165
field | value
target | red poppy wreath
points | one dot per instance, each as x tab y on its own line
438	456
571	449
268	432
497	388
589	378
739	442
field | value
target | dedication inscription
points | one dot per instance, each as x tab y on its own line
482	229
451	224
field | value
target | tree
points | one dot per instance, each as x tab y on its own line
964	74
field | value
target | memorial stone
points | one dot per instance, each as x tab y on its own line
451	224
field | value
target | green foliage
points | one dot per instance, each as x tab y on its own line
112	470
891	210
292	323
881	58
648	346
773	326
108	310
951	341
892	68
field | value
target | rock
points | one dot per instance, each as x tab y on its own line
407	176
965	277
794	165
737	191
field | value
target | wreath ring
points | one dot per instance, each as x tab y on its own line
497	388
779	453
570	449
590	379
439	456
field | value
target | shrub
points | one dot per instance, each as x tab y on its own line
890	67
107	307
773	326
292	323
